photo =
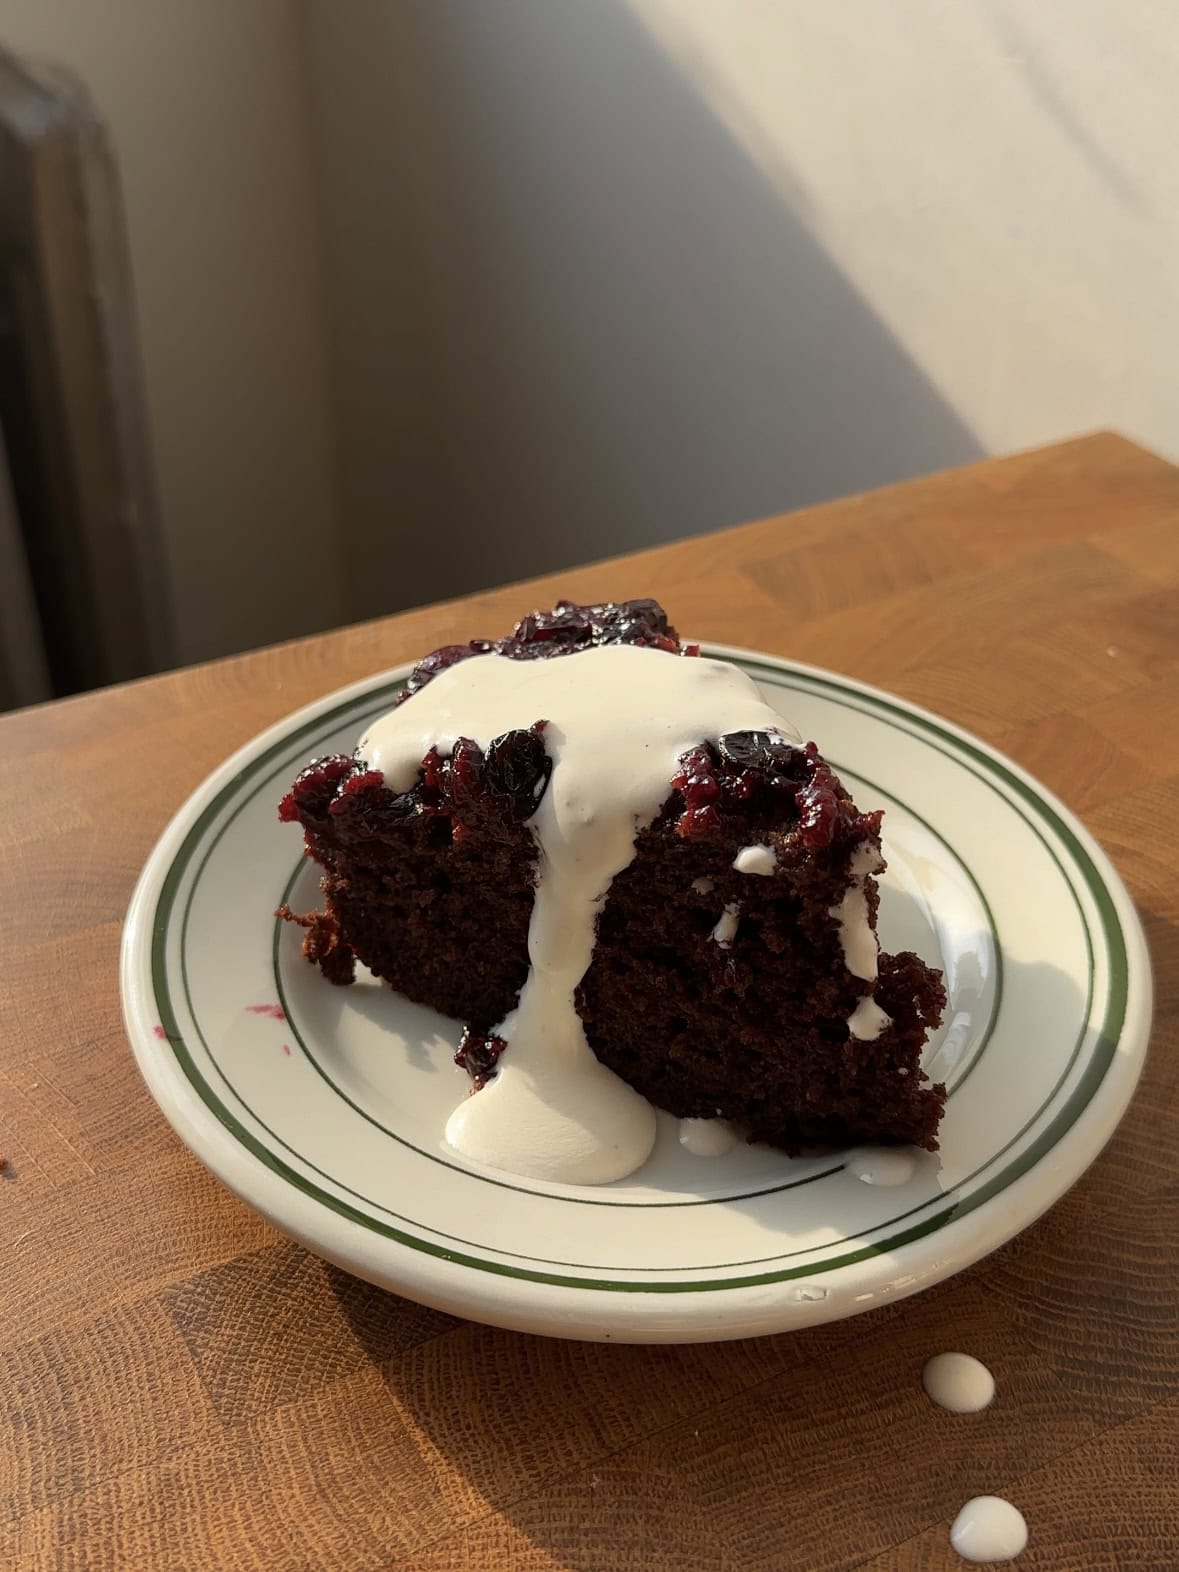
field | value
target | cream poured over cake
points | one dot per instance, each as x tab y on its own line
617	721
613	860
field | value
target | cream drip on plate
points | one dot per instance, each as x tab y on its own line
989	1529
619	718
958	1382
885	1166
707	1137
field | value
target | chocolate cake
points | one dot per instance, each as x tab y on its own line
704	892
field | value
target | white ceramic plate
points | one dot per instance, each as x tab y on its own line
324	1107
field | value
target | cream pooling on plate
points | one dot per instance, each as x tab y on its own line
619	718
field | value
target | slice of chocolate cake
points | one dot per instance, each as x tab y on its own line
608	857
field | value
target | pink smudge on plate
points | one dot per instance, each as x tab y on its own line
286	1048
158	1031
273	1012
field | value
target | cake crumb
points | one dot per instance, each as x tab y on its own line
323	945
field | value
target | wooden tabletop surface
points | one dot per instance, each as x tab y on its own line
183	1388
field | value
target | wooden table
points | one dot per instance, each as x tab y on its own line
183	1388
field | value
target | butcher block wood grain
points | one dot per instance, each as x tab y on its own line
184	1389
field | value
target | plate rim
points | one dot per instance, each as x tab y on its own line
531	1300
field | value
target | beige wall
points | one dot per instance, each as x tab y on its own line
631	268
999	178
374	177
561	277
206	105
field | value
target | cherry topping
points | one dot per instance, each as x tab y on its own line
478	1055
568	627
518	766
818	802
697	783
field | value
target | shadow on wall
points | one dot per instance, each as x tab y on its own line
624	332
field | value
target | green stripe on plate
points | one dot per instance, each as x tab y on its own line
960	750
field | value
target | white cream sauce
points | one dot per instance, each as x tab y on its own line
958	1382
707	1137
756	859
885	1166
726	929
989	1529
